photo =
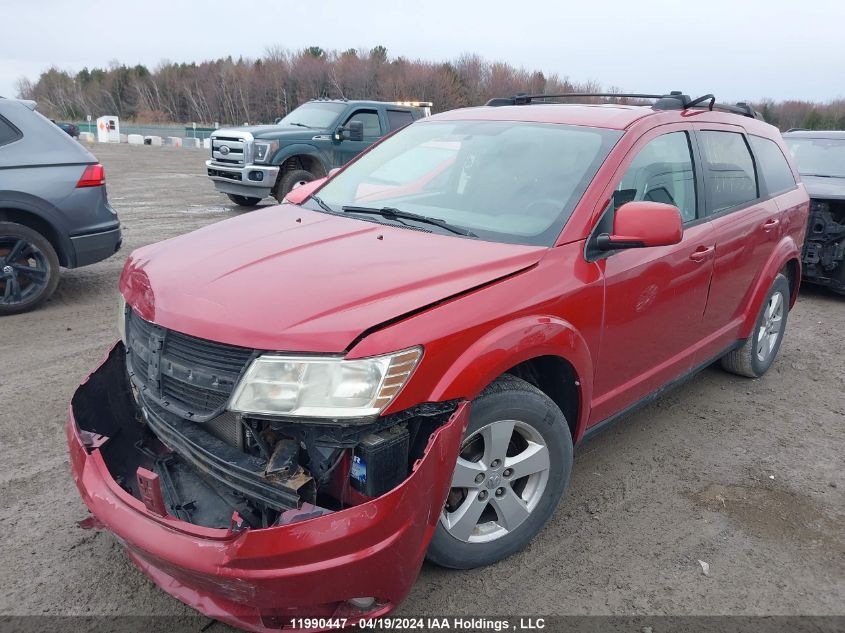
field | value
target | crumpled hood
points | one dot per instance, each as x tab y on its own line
824	188
289	279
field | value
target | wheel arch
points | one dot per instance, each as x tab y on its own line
37	221
300	156
546	351
786	255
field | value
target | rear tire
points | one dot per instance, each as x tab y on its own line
243	201
291	179
758	352
514	465
29	268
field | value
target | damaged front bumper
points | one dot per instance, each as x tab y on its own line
259	578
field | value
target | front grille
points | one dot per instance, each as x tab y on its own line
230	149
189	376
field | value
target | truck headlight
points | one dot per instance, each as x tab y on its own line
121	318
263	150
322	386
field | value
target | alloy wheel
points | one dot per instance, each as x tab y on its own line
500	476
770	328
24	270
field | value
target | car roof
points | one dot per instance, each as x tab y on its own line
604	115
360	102
831	134
612	116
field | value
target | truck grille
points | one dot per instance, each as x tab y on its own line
186	375
231	148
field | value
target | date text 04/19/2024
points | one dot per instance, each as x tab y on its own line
422	623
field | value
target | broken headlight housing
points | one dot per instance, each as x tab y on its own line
323	387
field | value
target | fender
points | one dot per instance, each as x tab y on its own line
46	212
299	149
785	251
514	342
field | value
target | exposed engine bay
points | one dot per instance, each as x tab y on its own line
824	246
225	470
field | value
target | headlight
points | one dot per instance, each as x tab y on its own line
121	318
264	150
323	387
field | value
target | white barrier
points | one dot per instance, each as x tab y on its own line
152	140
206	143
174	141
193	143
86	137
135	139
121	138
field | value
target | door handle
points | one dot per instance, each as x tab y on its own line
702	253
771	223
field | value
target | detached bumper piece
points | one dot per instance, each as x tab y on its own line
182	502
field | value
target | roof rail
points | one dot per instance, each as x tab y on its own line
675	100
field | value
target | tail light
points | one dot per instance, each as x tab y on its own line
93	176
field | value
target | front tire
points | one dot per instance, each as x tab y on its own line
758	352
243	201
292	179
29	268
514	465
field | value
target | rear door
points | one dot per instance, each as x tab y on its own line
654	297
746	227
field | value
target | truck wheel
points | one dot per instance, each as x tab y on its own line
758	352
29	268
513	467
290	180
243	201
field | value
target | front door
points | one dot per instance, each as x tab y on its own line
345	150
654	297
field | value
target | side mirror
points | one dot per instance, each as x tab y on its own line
642	224
352	132
300	193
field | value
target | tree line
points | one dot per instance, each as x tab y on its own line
235	91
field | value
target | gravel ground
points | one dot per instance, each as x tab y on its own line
744	475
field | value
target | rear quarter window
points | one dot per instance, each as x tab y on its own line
8	132
772	165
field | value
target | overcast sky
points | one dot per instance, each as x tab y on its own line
737	49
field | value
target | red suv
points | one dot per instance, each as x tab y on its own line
398	361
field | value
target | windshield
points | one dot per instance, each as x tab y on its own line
504	181
314	114
818	156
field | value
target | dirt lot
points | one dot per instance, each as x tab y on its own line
745	475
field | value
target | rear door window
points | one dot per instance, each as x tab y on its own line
399	118
731	180
774	169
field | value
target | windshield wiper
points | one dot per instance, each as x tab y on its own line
822	176
297	124
325	207
391	213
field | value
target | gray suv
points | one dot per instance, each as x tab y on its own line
53	207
